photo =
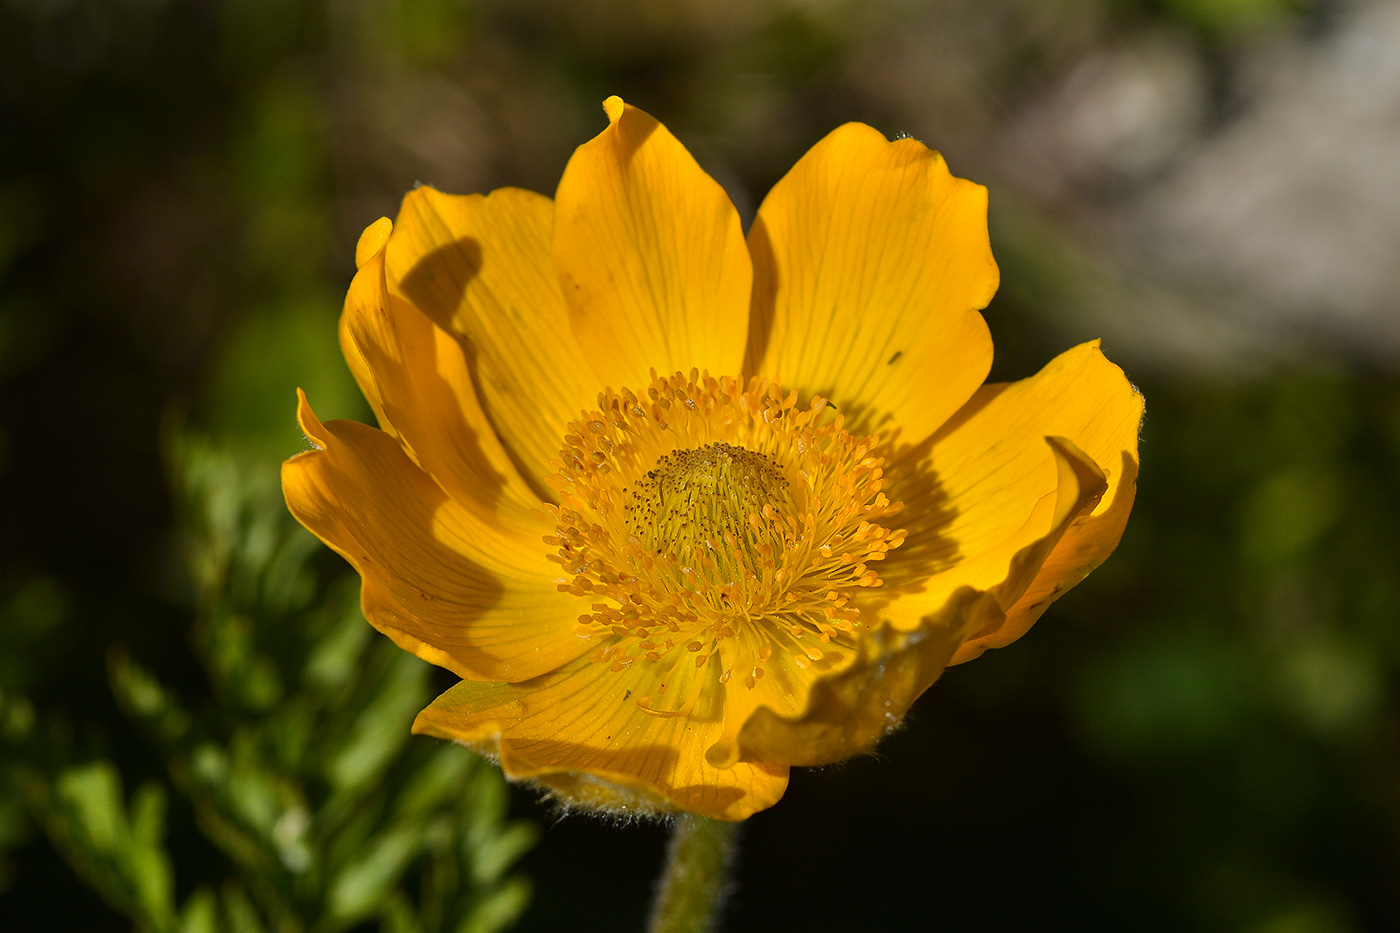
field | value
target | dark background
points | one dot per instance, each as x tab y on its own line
1204	735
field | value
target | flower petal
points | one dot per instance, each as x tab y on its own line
1007	568
466	594
972	499
870	264
415	376
651	255
849	713
482	268
581	733
370	290
1082	396
795	666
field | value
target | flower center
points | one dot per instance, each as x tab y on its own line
695	504
709	519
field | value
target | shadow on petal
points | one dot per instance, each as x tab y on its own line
454	590
438	282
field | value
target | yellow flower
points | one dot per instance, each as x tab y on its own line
685	509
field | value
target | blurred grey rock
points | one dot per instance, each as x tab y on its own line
1275	231
1122	114
1292	212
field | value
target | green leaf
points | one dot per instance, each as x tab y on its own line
493	857
239	914
498	910
359	888
201	913
121	854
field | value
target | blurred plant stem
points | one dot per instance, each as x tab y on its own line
695	882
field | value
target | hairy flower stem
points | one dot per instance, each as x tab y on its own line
695	883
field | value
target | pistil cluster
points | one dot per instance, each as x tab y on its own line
708	520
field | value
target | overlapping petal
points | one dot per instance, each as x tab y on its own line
847	714
870	264
367	249
417	379
650	254
1081	396
472	596
917	633
580	731
482	268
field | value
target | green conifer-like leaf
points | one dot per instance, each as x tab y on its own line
119	850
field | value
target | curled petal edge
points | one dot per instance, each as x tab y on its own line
1086	544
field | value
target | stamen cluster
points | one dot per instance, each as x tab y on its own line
706	515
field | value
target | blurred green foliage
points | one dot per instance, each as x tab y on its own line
299	768
1231	16
197	721
1254	693
293	761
